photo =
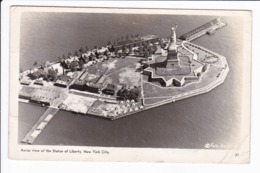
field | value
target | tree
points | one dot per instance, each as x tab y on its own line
76	53
59	58
52	74
145	44
91	57
74	65
111	48
105	53
38	74
81	50
154	48
47	64
69	55
86	48
130	49
162	43
129	94
97	54
40	65
116	52
114	42
204	68
150	50
35	63
146	54
81	63
63	65
134	94
85	57
123	93
123	48
82	60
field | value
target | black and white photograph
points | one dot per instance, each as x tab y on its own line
88	83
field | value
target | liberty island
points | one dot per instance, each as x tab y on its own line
125	77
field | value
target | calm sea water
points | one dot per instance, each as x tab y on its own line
213	117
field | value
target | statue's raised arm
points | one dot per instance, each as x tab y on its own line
174	28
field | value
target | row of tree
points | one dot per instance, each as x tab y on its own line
129	94
125	39
144	50
47	74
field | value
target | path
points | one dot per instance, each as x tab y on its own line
44	120
40	125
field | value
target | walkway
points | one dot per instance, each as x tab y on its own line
40	125
44	120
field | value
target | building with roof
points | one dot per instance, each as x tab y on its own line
79	85
61	83
40	100
58	68
38	82
26	92
86	83
110	89
93	87
24	81
96	85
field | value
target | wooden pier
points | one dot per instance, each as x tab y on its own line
40	125
44	120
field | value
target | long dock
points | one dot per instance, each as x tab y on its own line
44	120
40	125
207	28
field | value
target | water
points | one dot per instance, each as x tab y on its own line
213	117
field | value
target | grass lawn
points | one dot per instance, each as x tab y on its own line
112	65
97	68
184	61
202	54
120	63
184	51
127	76
150	101
151	90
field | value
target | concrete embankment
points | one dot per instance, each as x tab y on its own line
202	90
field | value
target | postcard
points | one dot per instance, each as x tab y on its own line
130	85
